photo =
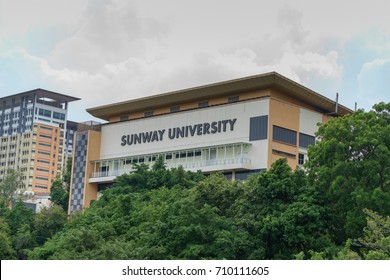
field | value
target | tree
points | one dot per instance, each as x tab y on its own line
59	195
20	220
376	238
59	191
6	250
279	211
350	169
67	173
48	222
10	186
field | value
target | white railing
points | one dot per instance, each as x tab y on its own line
186	165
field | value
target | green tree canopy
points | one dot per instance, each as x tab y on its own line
350	168
59	195
10	187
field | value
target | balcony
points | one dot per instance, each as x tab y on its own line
207	159
205	166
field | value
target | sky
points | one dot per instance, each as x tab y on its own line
115	50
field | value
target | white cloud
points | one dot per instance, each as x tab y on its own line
107	32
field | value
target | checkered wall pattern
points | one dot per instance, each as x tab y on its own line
80	160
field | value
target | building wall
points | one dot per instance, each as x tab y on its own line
79	172
48	157
241	112
87	148
284	115
93	153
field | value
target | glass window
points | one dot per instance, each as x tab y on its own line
175	109
233	98
284	135
301	159
258	128
306	140
148	113
58	116
124	118
203	104
45	113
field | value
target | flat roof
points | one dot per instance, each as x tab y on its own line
43	93
262	81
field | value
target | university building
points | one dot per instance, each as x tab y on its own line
32	137
237	127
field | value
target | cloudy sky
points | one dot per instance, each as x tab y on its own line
114	50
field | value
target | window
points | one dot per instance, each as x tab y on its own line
284	135
258	128
44	120
47	128
148	113
44	144
175	109
283	154
43	170
232	99
181	155
45	113
58	116
228	175
127	161
124	118
203	104
243	175
301	159
306	140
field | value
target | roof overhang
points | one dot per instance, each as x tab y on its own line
43	93
246	84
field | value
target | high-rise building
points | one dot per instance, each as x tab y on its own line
237	127
32	137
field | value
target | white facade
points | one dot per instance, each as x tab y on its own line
210	139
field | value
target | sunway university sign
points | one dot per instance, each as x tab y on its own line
179	132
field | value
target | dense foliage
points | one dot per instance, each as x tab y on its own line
338	207
59	191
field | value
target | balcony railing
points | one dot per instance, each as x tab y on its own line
221	163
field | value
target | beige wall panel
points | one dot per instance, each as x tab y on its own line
93	153
285	115
283	97
290	161
308	121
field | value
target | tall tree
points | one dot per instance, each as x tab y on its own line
59	195
376	238
280	212
350	168
6	250
11	187
20	220
67	173
48	222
